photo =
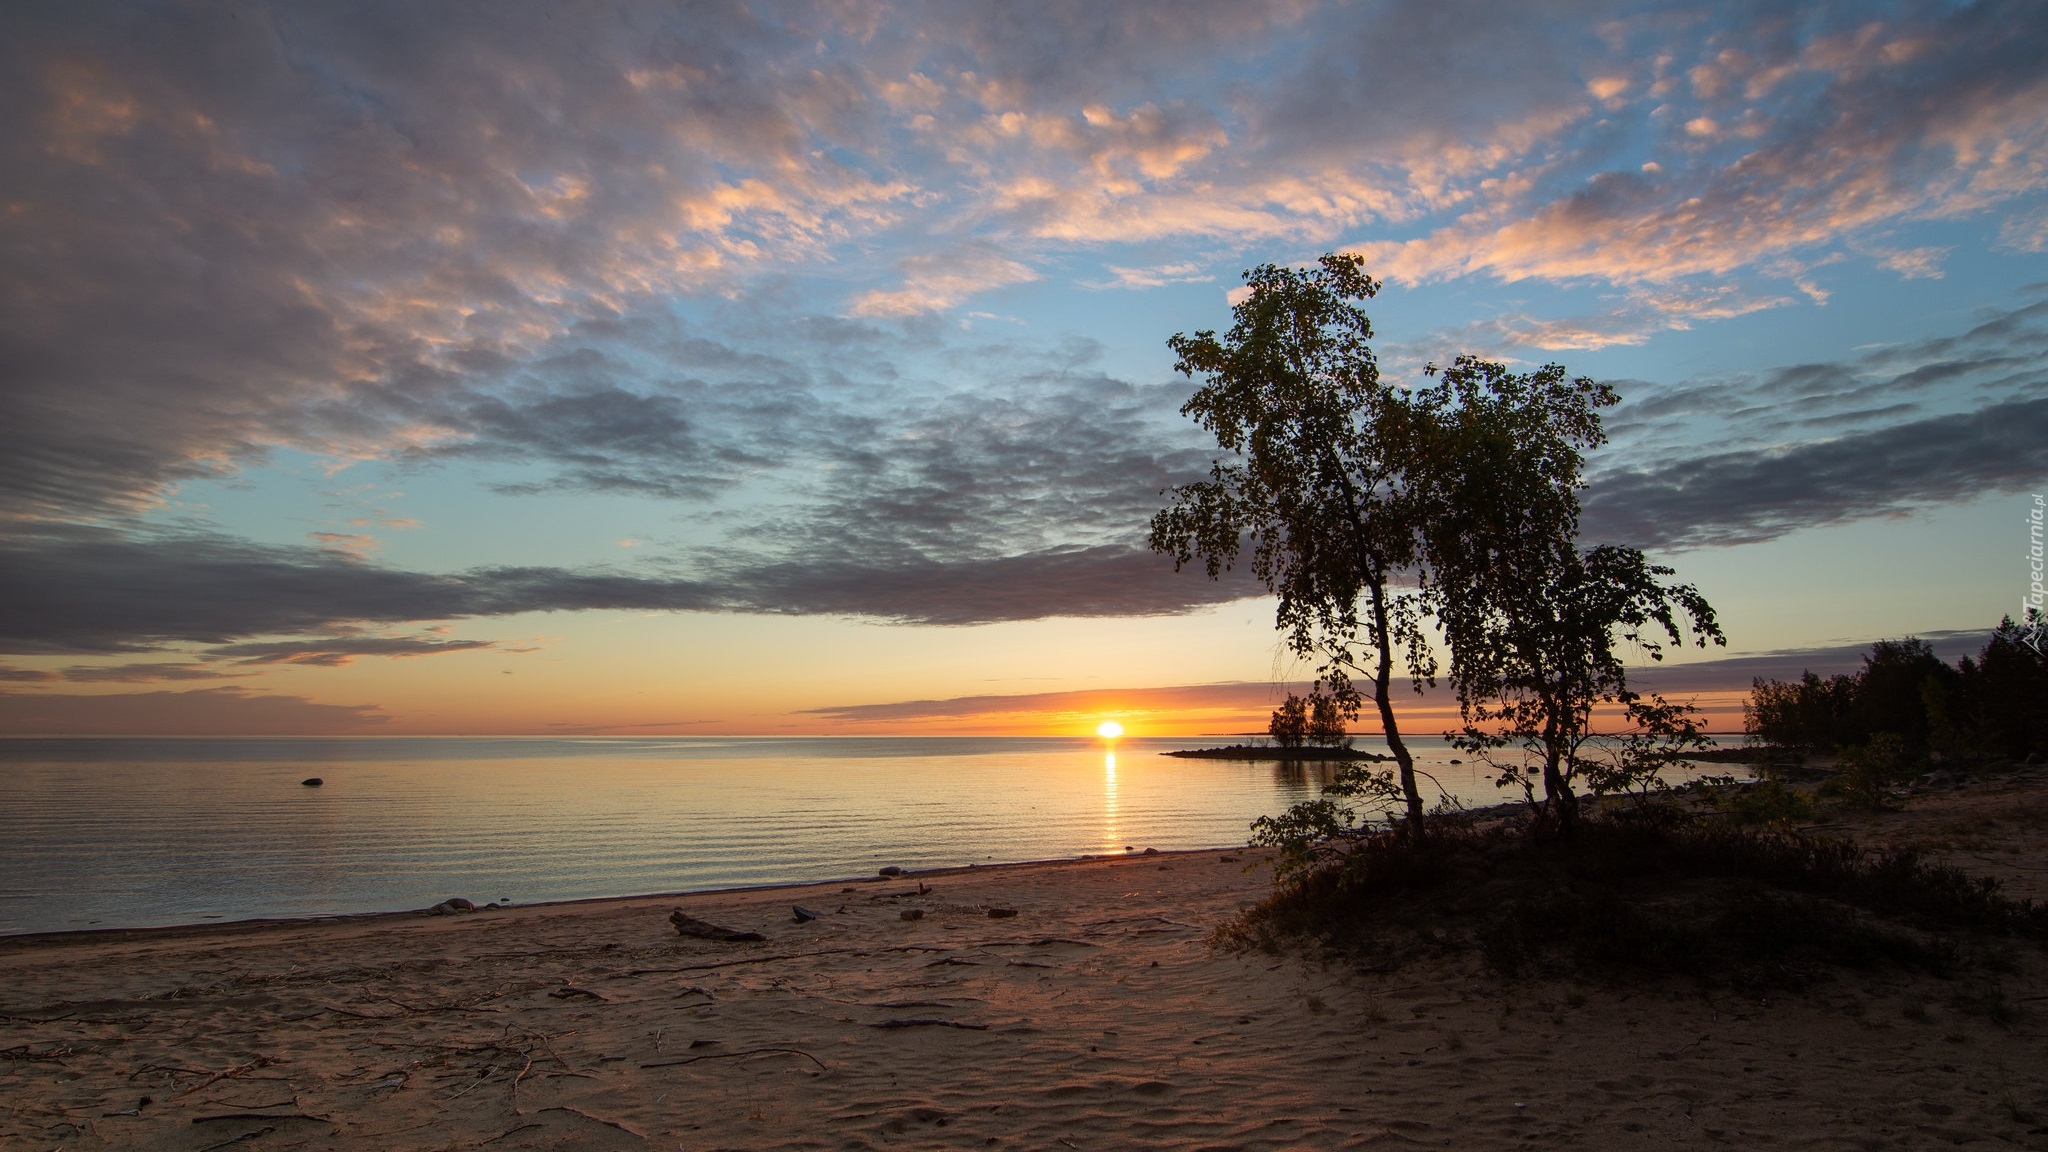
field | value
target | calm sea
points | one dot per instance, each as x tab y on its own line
103	833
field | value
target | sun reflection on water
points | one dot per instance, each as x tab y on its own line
1109	805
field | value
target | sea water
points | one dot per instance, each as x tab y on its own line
105	833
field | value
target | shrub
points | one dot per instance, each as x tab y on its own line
1866	774
1646	891
1767	803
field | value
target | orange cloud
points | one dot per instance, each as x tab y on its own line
941	280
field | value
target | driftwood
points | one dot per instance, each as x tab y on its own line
789	956
56	1052
733	963
227	1074
737	1055
688	925
596	1119
266	1130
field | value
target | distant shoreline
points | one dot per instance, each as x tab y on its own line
1268	752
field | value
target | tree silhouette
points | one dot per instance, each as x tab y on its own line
1535	625
1322	482
1289	725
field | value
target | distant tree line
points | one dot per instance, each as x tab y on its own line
1906	707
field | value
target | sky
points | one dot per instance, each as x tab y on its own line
649	369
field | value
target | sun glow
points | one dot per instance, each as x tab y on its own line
1109	729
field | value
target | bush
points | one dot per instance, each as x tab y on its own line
1866	775
1317	831
1647	891
1767	803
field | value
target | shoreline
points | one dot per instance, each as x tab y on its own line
1275	754
257	924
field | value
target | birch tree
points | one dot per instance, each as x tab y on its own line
1321	483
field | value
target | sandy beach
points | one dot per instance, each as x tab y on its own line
1098	1016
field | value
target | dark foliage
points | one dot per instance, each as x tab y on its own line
1326	721
1540	629
1289	725
2000	700
1646	891
1989	708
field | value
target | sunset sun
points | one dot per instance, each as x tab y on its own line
1109	729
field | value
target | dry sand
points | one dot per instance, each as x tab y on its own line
1097	1018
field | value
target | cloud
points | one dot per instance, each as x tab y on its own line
340	651
101	594
1105	580
1936	114
501	249
1922	263
145	673
1027	500
1053	453
2025	231
341	231
1233	696
354	545
1742	458
389	233
1998	358
1735	673
924	503
1184	272
940	280
1759	494
98	591
1635	315
225	711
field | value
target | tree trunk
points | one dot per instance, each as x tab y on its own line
1383	676
1382	695
1557	791
1564	803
